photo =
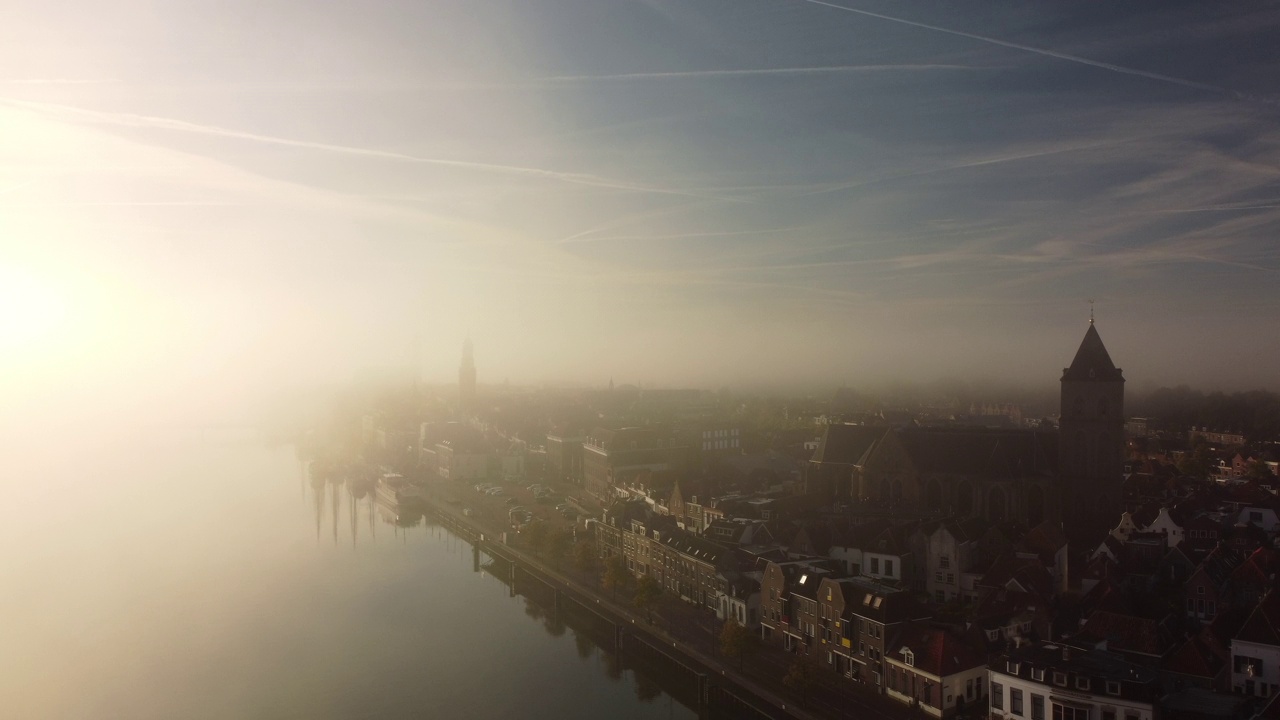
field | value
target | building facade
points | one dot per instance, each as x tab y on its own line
1056	682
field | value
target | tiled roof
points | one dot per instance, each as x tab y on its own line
1127	633
1220	564
1263	625
980	453
846	444
1194	657
935	650
1045	539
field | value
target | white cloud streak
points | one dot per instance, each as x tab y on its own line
66	112
756	72
1042	51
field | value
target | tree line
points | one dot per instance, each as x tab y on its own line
1255	413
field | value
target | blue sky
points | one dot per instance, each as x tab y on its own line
696	192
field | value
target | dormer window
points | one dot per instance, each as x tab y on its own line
1113	687
1012	667
909	657
1082	683
1060	679
1037	674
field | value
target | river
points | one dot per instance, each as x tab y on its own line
201	576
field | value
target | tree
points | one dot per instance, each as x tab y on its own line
616	574
648	592
1259	470
737	642
557	544
584	555
536	535
801	677
1197	463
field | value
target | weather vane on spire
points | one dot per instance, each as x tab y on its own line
1090	311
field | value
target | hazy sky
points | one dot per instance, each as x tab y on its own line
201	195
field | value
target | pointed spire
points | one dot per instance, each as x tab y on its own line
1092	362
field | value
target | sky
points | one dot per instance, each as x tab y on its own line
202	196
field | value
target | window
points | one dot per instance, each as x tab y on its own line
1037	674
875	566
1060	679
944	562
997	696
909	658
1015	701
1012	667
1037	707
888	567
1082	683
1113	687
1066	712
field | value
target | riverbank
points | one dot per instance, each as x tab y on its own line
758	682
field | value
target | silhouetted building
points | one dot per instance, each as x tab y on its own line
467	377
1091	442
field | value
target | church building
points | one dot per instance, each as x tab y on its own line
1020	476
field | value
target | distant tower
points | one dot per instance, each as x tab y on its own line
467	377
1091	438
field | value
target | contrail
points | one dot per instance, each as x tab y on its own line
1040	51
55	81
144	121
690	74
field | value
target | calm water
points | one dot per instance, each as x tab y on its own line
202	577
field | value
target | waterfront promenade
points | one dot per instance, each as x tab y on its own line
759	680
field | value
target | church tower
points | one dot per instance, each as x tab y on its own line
1091	438
467	378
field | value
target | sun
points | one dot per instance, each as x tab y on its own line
33	314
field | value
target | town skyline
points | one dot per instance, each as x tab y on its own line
686	194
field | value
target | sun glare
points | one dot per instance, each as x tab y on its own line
33	313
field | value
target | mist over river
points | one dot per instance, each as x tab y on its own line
198	574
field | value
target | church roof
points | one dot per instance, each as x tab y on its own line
846	444
979	452
1092	361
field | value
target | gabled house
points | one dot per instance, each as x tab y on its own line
1207	591
888	557
862	617
1047	543
951	551
931	669
1255	650
788	601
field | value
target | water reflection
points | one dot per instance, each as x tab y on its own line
585	638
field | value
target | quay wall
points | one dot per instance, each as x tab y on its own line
719	694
